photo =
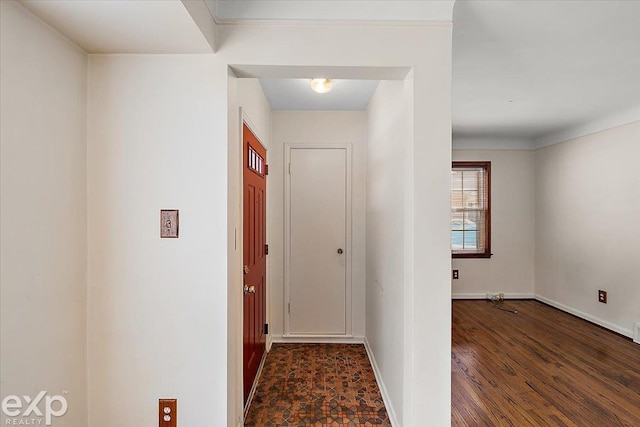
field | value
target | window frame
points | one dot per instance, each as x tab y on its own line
486	165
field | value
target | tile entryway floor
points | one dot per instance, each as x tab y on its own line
317	385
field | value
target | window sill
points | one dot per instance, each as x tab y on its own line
471	255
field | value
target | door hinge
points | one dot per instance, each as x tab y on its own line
289	308
266	329
266	169
289	168
266	249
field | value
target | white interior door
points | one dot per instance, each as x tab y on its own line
318	252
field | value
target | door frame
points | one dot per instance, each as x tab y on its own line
246	120
288	147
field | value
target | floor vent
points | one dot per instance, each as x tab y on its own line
636	333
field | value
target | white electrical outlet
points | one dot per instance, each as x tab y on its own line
636	333
494	296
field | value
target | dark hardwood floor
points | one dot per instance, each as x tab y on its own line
540	367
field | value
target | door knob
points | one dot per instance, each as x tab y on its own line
249	289
340	251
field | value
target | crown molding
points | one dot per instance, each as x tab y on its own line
619	118
486	142
234	12
332	22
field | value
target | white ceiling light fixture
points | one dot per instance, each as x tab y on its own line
321	85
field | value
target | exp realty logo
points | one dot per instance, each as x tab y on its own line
27	411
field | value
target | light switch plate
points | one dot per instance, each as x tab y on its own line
169	223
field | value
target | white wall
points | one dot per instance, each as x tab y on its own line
510	269
388	153
366	50
43	213
587	238
159	137
428	242
234	378
315	127
256	109
157	308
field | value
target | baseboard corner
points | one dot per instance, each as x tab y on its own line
336	339
586	316
383	389
483	295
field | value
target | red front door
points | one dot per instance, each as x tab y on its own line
255	260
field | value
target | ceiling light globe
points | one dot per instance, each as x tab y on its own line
321	85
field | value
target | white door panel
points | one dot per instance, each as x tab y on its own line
318	228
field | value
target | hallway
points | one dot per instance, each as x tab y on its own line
317	385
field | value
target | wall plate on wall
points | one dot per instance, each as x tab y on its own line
169	223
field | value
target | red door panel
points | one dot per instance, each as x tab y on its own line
255	261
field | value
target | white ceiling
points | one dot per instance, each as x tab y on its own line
523	71
529	70
332	10
123	26
347	95
296	94
533	69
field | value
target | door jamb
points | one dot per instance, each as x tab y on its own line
287	239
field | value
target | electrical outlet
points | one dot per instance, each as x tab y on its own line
602	296
168	413
493	296
456	274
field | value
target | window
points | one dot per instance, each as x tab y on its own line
471	210
255	161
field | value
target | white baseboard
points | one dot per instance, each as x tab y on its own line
483	295
254	386
383	389
319	340
586	316
269	342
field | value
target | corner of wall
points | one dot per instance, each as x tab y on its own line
576	255
44	214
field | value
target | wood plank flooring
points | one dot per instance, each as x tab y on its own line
540	367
